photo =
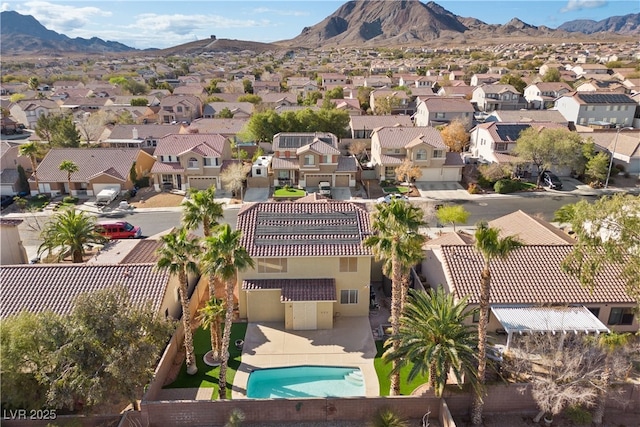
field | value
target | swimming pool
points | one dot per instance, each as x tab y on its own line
305	381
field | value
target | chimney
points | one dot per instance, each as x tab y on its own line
135	133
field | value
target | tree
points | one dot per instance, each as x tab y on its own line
33	83
69	167
435	338
491	246
91	126
247	85
515	81
407	171
70	232
233	178
607	232
46	126
616	365
384	105
225	113
65	133
312	98
254	99
551	147
455	136
212	316
139	102
552	75
17	97
177	256
23	181
452	214
363	96
357	148
31	150
335	93
201	208
597	167
396	241
224	257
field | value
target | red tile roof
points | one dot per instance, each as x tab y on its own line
303	229
54	287
530	275
179	144
296	289
399	137
115	162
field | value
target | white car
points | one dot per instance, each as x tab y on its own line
389	197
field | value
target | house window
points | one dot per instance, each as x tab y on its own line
439	115
193	163
621	316
206	161
349	296
179	109
258	172
514	97
421	154
309	160
438	154
326	159
501	146
594	310
272	265
348	265
167	178
283	174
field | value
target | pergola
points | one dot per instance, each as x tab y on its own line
564	320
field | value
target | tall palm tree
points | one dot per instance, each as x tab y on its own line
177	256
212	316
491	246
70	232
31	150
610	344
224	257
201	208
396	241
434	337
69	167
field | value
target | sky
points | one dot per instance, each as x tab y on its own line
145	24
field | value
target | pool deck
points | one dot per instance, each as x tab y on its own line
349	343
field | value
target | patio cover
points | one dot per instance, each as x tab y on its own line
547	319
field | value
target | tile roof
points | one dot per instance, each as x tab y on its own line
371	122
279	163
160	167
221	126
453	159
448	104
295	140
207	144
529	116
302	229
152	131
347	164
318	146
144	252
530	230
115	162
449	239
530	275
497	88
294	290
399	137
54	287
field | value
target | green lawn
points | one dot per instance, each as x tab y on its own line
383	370
289	192
396	189
207	376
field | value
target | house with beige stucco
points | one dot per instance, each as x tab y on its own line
311	265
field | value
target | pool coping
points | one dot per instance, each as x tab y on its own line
350	343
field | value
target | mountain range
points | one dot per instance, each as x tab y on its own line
368	23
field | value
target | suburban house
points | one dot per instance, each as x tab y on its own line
542	95
239	110
27	112
301	85
310	262
13	251
484	78
623	145
260	86
541	282
440	110
350	105
306	159
462	91
179	108
98	169
9	160
374	81
597	109
229	128
489	97
527	116
332	79
396	101
423	146
137	136
362	126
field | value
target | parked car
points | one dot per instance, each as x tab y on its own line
6	201
119	230
551	180
389	197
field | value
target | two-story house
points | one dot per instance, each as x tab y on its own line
597	109
239	110
542	95
388	101
137	136
190	160
497	97
301	85
306	159
332	79
28	111
10	159
487	139
310	262
362	126
423	146
179	108
440	110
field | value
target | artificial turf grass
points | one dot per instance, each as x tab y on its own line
289	192
383	370
207	376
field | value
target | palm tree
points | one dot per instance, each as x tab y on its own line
397	242
69	167
224	257
610	344
201	208
490	246
70	232
31	150
212	316
176	255
434	337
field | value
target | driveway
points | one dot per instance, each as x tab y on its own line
256	195
349	343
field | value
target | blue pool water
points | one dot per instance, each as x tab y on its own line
305	381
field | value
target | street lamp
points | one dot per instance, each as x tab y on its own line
615	144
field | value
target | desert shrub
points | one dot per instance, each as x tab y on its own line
385	417
473	188
484	182
578	415
505	186
142	182
69	200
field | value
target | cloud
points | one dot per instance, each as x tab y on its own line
575	5
186	24
281	12
59	17
5	6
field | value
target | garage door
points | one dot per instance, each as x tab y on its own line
305	316
202	183
7	190
314	180
342	181
99	187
